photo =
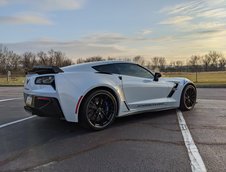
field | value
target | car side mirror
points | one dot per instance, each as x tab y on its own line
157	76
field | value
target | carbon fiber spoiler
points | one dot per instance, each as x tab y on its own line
45	70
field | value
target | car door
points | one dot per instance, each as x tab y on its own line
140	90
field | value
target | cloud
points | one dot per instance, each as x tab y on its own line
176	46
177	20
74	49
213	13
57	5
163	39
113	38
25	19
46	5
145	32
207	25
103	44
105	38
198	8
200	27
40	9
180	47
196	20
186	8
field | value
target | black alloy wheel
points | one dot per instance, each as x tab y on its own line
188	98
98	110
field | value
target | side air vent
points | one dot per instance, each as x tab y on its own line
173	90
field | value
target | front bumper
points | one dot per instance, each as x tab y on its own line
43	106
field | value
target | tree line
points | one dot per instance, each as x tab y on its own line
21	63
213	61
11	61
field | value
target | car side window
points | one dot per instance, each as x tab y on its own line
133	70
108	68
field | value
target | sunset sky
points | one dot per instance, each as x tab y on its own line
175	29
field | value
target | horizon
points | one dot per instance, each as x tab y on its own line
83	28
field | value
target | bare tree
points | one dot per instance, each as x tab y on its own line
111	58
28	61
155	63
94	58
194	60
79	60
179	64
172	64
162	63
149	65
3	51
43	58
51	54
59	58
222	63
158	63
214	56
67	62
53	58
127	59
15	60
139	59
206	60
8	60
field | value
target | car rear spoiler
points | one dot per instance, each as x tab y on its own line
45	70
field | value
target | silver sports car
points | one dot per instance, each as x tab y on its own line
94	94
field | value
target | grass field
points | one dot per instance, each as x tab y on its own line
13	81
203	78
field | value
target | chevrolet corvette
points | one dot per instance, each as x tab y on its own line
94	94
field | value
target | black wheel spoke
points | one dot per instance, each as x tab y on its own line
104	115
190	97
186	95
101	110
92	105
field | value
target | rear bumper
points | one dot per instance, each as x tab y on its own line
44	107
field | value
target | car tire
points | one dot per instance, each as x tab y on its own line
98	110
188	98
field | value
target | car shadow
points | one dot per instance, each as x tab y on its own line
71	129
40	131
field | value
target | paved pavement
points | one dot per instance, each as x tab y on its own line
146	142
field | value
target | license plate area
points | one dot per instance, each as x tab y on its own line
29	100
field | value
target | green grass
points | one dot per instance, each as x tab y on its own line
14	81
213	78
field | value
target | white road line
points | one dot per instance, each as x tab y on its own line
17	121
5	100
197	164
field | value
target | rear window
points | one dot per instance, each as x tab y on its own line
109	68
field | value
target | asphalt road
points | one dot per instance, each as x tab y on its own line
146	142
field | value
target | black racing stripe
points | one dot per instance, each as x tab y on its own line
126	105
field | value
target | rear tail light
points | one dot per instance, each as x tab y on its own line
45	80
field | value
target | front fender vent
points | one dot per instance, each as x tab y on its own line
173	90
